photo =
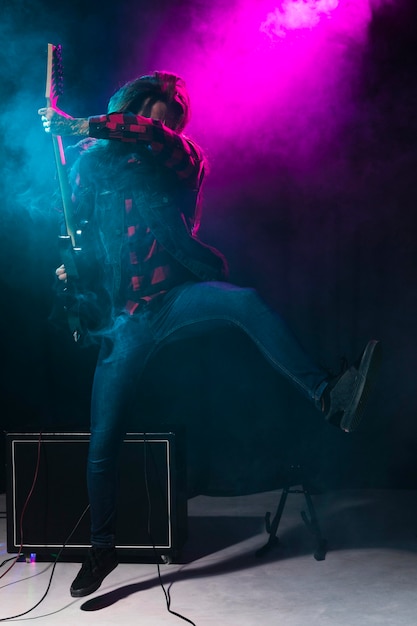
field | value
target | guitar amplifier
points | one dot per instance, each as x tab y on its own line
46	494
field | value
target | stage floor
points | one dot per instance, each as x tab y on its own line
368	576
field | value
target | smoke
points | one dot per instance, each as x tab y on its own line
26	28
25	173
296	14
288	99
29	203
295	107
25	163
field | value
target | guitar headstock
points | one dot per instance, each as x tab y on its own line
54	74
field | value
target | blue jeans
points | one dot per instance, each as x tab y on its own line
186	310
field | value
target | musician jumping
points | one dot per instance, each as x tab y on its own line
137	186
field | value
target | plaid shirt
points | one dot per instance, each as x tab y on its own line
168	147
148	269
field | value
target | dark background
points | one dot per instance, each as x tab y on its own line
331	247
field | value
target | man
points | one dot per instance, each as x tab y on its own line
136	187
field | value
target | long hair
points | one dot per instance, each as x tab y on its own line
159	86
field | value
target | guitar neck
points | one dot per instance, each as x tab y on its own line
52	93
65	190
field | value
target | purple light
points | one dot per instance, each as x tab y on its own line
282	98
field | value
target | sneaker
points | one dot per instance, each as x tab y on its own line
346	394
97	565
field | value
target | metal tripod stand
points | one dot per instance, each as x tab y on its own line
295	477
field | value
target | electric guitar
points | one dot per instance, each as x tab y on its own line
67	242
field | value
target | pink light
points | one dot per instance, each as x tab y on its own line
283	98
296	14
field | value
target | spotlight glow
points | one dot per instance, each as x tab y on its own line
296	14
285	99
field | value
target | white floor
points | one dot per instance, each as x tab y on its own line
369	575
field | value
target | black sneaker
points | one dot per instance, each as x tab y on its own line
97	565
346	395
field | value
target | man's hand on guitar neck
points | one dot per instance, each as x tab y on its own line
57	122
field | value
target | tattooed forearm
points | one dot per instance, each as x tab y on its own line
69	126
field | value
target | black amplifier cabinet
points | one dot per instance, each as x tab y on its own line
46	495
